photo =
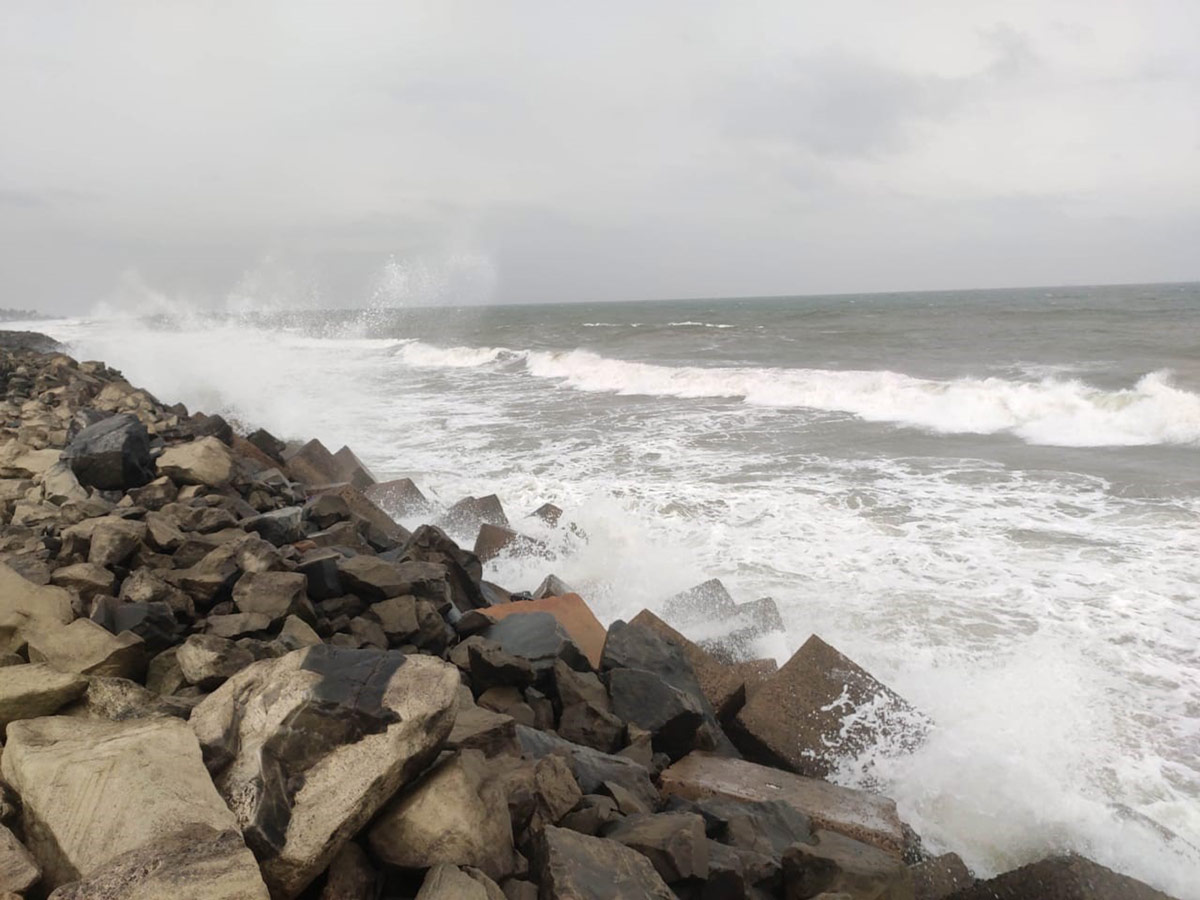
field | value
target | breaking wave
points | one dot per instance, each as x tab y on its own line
1064	412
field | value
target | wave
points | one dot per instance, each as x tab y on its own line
1052	411
698	325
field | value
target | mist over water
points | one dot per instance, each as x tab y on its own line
991	500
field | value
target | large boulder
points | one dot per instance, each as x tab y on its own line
206	461
594	771
452	815
571	613
351	469
114	540
313	464
865	817
92	790
675	843
26	607
19	871
574	866
35	689
836	864
539	638
113	454
430	544
197	863
814	712
1069	877
448	882
88	648
399	498
276	595
307	748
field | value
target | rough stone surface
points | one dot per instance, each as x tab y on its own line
571	612
940	876
399	498
19	871
205	461
573	866
537	637
197	863
810	713
675	843
114	540
857	814
206	660
592	769
452	815
89	649
644	699
448	882
276	595
836	864
1068	877
112	454
25	607
307	748
92	790
86	579
36	689
351	875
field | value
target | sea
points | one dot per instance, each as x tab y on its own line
988	499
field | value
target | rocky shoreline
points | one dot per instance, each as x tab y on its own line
227	672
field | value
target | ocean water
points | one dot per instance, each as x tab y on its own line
990	499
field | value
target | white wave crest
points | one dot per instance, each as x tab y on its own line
698	325
416	353
1057	412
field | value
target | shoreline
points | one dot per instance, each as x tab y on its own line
340	677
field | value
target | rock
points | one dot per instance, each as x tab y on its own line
162	533
118	699
469	513
371	578
154	623
364	510
207	660
810	714
675	843
706	602
591	768
35	689
163	675
765	828
476	728
463	569
741	632
939	877
571	612
89	649
320	567
276	595
267	443
326	510
552	586
85	579
452	815
492	539
279	526
409	620
351	875
19	460
646	700
25	606
206	461
155	495
197	863
92	790
491	666
399	498
857	814
538	638
235	625
1069	877
548	513
112	455
573	866
307	748
592	725
555	790
838	864
19	871
352	469
143	586
297	633
313	464
447	882
571	687
508	701
60	485
114	540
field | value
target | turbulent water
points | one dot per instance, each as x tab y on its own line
991	500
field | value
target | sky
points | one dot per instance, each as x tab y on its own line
338	154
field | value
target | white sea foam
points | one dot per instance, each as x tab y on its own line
699	325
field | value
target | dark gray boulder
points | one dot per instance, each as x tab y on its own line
112	455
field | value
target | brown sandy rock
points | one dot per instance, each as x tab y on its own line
205	461
572	866
836	864
571	612
35	689
25	606
19	871
89	649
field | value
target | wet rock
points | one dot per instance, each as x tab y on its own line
267	443
548	513
469	513
312	464
492	539
810	713
706	602
1069	877
19	871
463	569
573	866
92	790
207	660
363	510
307	748
399	498
89	649
675	843
591	768
593	726
646	700
836	864
35	689
276	595
371	578
570	611
198	863
112	454
351	469
279	526
407	620
553	586
537	637
452	815
491	666
205	461
326	510
572	686
857	814
939	877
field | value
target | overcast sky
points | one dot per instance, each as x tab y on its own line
303	152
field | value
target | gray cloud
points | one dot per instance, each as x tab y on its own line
466	151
